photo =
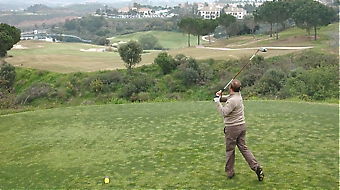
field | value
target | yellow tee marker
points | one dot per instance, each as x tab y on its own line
106	180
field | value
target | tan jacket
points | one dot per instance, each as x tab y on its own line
233	111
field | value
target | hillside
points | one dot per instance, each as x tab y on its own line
38	8
71	74
68	57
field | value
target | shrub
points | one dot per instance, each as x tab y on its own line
254	71
179	59
7	100
143	96
270	83
36	91
165	62
189	76
316	84
173	85
149	41
7	76
97	86
206	73
127	90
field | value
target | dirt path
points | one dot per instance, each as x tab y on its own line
206	38
235	49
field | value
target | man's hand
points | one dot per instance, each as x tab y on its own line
219	93
217	96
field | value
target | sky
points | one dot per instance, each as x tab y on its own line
52	2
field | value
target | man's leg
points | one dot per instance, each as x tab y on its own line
247	154
230	140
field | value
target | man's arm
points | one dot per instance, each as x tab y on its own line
224	98
229	106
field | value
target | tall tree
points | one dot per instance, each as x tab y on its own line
186	24
250	23
197	28
312	14
280	13
9	35
130	54
209	26
226	20
234	28
264	13
300	22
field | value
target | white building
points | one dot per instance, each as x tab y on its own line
210	12
239	13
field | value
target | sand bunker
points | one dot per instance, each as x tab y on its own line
93	50
17	46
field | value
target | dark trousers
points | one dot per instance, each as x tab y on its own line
236	136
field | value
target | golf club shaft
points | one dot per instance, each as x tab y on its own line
240	70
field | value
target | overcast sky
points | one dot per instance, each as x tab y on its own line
51	2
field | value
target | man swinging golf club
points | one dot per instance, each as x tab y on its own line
235	126
235	130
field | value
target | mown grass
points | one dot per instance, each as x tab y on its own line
168	145
168	40
67	57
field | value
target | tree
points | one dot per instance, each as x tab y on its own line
204	27
234	28
7	76
187	25
165	62
198	28
148	41
130	54
102	41
9	35
250	23
264	13
226	20
280	12
312	14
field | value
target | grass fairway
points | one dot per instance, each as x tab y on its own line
168	145
68	57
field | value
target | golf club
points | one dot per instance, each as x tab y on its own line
261	49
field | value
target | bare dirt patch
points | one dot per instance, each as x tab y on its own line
294	40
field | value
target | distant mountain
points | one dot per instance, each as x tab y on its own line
23	4
38	8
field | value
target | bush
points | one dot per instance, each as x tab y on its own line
149	41
270	83
143	97
206	73
7	100
36	91
254	71
142	82
127	90
97	86
189	76
316	84
165	62
110	80
7	76
173	85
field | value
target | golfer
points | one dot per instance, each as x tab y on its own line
235	129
